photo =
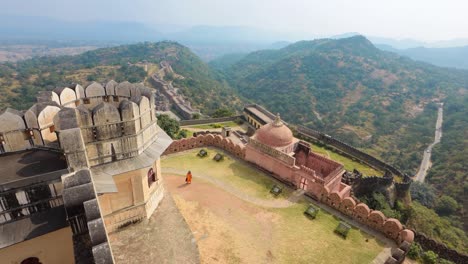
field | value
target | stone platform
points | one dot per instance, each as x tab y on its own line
164	238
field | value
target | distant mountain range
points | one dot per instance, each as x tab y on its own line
456	57
210	42
450	53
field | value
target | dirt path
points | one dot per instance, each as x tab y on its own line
426	160
223	235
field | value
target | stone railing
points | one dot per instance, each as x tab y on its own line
273	152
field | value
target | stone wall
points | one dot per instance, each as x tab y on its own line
390	227
183	107
205	141
373	161
441	249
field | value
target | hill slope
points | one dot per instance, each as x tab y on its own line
373	99
20	82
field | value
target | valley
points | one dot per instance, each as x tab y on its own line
377	101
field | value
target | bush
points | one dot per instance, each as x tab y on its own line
169	125
415	251
446	205
182	134
222	112
423	193
429	257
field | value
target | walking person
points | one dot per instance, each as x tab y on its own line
188	178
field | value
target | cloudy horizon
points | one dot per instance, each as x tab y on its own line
398	19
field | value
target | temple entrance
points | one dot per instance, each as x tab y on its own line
303	184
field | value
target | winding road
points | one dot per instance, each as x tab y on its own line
426	161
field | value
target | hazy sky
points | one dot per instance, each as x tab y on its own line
420	19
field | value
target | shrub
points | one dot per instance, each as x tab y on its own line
446	205
415	251
429	257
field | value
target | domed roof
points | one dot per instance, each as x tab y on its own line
275	134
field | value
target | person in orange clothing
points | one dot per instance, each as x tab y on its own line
188	178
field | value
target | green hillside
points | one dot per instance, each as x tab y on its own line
375	100
20	82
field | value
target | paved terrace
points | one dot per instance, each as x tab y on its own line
164	238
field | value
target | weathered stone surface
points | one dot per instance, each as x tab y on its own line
73	145
97	232
95	89
66	119
78	178
110	87
92	209
102	254
77	195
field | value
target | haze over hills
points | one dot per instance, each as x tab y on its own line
208	42
455	57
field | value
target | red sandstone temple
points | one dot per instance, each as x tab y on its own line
274	148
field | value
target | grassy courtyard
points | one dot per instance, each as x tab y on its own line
230	171
231	228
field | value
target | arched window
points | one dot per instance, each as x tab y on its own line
151	177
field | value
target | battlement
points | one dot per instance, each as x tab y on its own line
117	120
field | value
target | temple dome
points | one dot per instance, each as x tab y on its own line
275	134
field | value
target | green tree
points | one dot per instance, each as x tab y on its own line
169	125
429	257
415	251
222	112
182	134
423	193
446	205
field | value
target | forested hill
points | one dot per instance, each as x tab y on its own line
20	82
348	88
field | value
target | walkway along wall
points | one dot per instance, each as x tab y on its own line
208	121
390	227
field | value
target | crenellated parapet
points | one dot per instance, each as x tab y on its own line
206	140
116	120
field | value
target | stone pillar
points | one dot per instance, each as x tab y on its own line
72	143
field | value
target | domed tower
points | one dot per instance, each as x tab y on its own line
272	148
276	135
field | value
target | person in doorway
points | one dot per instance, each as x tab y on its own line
188	178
